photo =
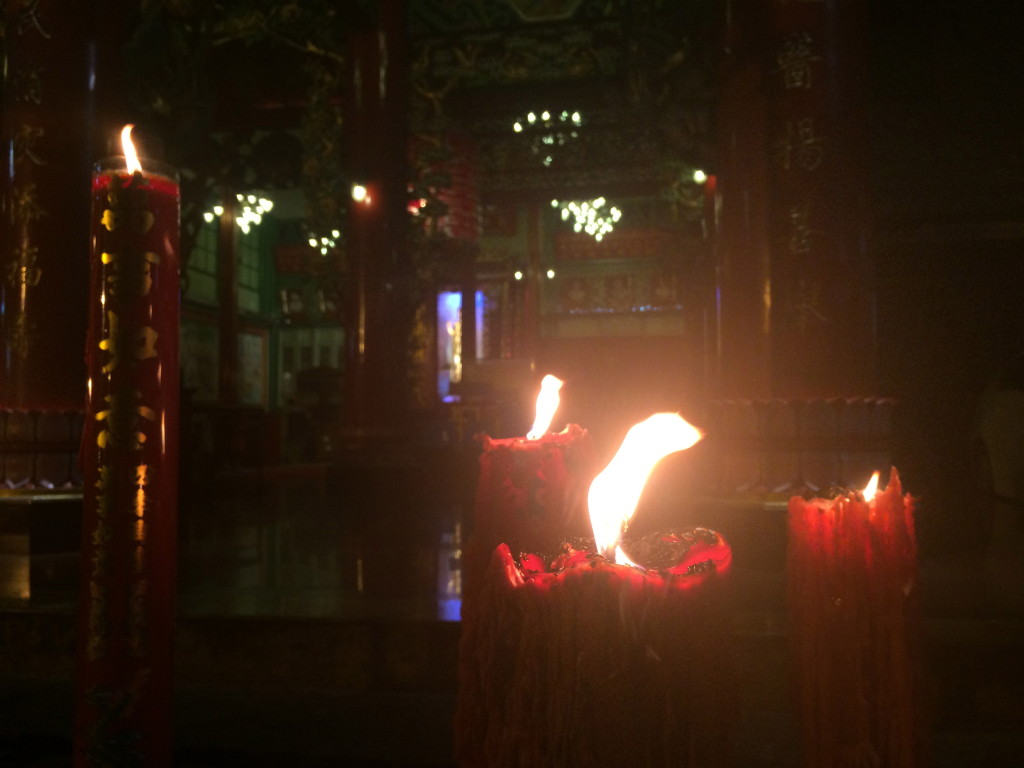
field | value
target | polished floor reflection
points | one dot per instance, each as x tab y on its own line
295	550
383	540
292	547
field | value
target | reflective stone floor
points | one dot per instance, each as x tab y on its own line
323	555
279	548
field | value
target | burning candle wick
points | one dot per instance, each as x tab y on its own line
547	403
616	491
130	155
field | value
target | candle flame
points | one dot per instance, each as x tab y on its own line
616	491
547	404
871	488
623	559
130	156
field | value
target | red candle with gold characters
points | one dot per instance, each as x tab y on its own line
855	627
123	692
531	491
593	659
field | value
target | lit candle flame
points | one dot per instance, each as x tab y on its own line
623	559
871	488
547	404
615	492
130	156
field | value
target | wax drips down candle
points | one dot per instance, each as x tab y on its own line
579	660
855	627
129	467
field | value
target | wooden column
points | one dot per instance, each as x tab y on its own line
47	123
822	296
227	295
378	312
795	275
743	290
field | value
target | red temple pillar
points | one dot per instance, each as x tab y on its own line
743	299
47	123
795	273
378	317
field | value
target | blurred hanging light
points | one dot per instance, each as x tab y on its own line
548	129
251	208
590	216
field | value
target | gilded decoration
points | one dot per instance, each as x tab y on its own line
138	637
30	18
25	207
809	304
25	144
101	537
643	89
24	272
796	60
800	146
801	235
109	742
124	422
25	78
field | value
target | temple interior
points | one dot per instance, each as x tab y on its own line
799	224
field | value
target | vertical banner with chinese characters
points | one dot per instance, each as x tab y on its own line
123	691
821	280
43	80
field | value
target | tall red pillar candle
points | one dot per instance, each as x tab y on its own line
855	628
123	687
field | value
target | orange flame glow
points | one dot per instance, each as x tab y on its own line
130	156
547	404
616	491
623	559
871	488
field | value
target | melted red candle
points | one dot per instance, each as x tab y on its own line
531	494
586	662
852	574
130	463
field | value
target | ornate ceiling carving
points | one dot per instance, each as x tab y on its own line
639	73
